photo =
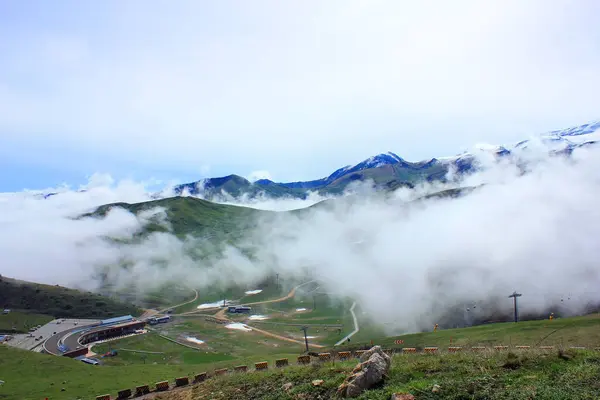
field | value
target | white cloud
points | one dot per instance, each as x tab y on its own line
261	174
535	233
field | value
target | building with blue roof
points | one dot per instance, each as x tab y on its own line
116	320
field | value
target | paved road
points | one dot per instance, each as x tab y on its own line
24	341
70	340
356	329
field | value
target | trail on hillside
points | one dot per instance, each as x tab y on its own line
221	313
287	339
150	312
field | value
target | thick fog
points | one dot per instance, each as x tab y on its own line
404	260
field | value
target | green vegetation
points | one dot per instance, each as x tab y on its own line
20	322
143	347
223	223
459	376
487	375
189	215
59	301
576	331
32	376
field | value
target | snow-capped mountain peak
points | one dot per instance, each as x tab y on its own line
379	160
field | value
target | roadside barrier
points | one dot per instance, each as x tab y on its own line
282	363
303	360
240	368
142	390
162	386
261	366
184	381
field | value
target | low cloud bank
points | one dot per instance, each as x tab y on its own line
406	262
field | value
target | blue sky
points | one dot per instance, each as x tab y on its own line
188	89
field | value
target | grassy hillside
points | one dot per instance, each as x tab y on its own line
32	376
20	322
224	222
189	215
468	375
459	376
59	301
576	331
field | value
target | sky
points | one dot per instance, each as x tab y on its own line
177	91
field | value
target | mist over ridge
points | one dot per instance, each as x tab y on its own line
405	259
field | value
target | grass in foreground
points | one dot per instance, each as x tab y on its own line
460	376
28	375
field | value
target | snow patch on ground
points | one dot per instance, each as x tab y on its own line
258	317
256	291
238	326
213	305
194	340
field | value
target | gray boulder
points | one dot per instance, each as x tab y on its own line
374	367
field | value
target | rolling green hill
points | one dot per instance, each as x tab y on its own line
193	216
223	222
58	301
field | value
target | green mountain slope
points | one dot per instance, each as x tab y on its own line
192	216
59	301
223	222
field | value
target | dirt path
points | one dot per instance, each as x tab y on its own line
150	312
182	304
287	339
221	313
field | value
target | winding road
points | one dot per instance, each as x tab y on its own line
148	313
356	328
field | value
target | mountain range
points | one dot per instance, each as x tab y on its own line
390	171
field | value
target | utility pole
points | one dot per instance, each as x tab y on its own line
514	296
314	302
277	274
305	328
